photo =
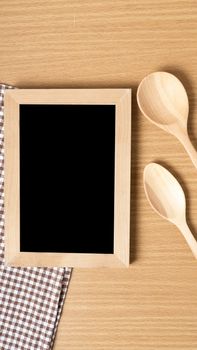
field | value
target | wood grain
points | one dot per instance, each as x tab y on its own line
58	43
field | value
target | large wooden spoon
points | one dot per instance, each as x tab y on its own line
167	198
163	100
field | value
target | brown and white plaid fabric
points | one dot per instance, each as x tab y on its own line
31	299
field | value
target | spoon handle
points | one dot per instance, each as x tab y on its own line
190	149
191	241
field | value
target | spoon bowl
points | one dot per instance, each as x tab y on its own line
167	198
164	193
163	100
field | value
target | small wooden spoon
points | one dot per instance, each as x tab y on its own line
163	100
167	198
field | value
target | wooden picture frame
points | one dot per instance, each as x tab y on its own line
121	98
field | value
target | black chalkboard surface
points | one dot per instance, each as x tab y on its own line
67	178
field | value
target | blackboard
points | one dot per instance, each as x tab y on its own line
67	178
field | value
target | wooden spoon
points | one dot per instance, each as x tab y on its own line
167	198
163	100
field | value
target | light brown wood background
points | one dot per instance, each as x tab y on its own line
115	43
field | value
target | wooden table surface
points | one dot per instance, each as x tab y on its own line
115	43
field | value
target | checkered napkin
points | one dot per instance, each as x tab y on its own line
31	299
